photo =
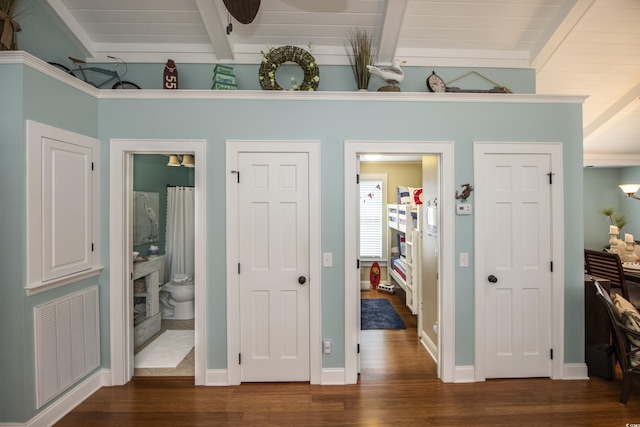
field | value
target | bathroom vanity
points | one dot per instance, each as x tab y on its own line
147	279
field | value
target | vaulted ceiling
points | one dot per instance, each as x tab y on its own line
577	47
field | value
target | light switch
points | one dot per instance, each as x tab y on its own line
327	259
464	259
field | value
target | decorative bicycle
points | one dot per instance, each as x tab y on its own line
99	77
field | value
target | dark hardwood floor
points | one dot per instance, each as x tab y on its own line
397	387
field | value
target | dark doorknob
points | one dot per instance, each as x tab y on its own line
492	278
302	280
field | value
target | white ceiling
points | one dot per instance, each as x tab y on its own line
577	47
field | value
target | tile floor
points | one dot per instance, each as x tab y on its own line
185	368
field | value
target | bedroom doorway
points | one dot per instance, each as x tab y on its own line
439	156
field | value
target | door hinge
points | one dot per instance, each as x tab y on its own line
237	175
357	178
550	177
239	358
238	268
358	348
551	354
551	266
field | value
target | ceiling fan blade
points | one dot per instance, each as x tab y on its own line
243	10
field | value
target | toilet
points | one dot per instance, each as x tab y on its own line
177	297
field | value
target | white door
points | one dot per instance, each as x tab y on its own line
274	266
517	257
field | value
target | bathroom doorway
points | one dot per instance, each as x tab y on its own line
122	334
163	233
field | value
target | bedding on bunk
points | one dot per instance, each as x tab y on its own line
409	195
399	265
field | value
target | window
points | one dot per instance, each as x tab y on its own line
372	202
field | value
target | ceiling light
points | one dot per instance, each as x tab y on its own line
173	160
187	161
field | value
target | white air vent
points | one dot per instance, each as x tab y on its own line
67	343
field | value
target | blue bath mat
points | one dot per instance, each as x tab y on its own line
378	313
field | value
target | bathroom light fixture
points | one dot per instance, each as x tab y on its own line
630	190
187	161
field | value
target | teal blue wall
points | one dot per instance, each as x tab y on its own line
151	173
29	95
601	190
332	122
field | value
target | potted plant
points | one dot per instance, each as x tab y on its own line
361	53
10	10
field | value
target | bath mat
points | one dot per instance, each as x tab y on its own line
378	313
166	351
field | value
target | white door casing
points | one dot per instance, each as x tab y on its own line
235	328
274	258
446	300
120	244
519	317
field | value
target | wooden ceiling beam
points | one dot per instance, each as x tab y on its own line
390	30
214	24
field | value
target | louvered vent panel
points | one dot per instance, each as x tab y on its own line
67	342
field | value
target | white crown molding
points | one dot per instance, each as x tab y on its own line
610	160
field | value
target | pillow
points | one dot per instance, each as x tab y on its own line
404	197
630	318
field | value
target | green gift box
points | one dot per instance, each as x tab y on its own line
223	78
223	69
224	86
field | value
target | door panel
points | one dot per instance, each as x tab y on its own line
274	254
518	254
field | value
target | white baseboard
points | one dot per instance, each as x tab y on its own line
216	377
464	374
65	404
429	345
332	376
575	371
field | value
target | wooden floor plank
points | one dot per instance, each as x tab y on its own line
398	386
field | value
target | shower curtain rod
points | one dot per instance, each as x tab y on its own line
188	186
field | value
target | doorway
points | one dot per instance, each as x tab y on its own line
121	291
444	151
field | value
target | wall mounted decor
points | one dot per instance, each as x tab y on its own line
145	217
278	56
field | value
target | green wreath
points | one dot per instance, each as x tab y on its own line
275	57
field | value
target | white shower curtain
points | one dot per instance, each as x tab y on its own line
180	231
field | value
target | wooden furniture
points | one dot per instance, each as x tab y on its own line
150	275
621	343
608	266
597	332
405	231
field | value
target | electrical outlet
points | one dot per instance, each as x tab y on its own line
327	259
464	259
326	346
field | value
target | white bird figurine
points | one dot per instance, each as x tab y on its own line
392	75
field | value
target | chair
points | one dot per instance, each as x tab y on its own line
623	349
608	266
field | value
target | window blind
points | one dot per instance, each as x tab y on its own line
371	218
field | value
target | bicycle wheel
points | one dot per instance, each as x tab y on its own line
125	85
59	66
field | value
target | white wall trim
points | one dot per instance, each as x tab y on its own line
429	345
233	149
217	377
333	376
554	149
65	404
464	374
575	371
446	284
121	242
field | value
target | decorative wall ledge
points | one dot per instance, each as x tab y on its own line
20	57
